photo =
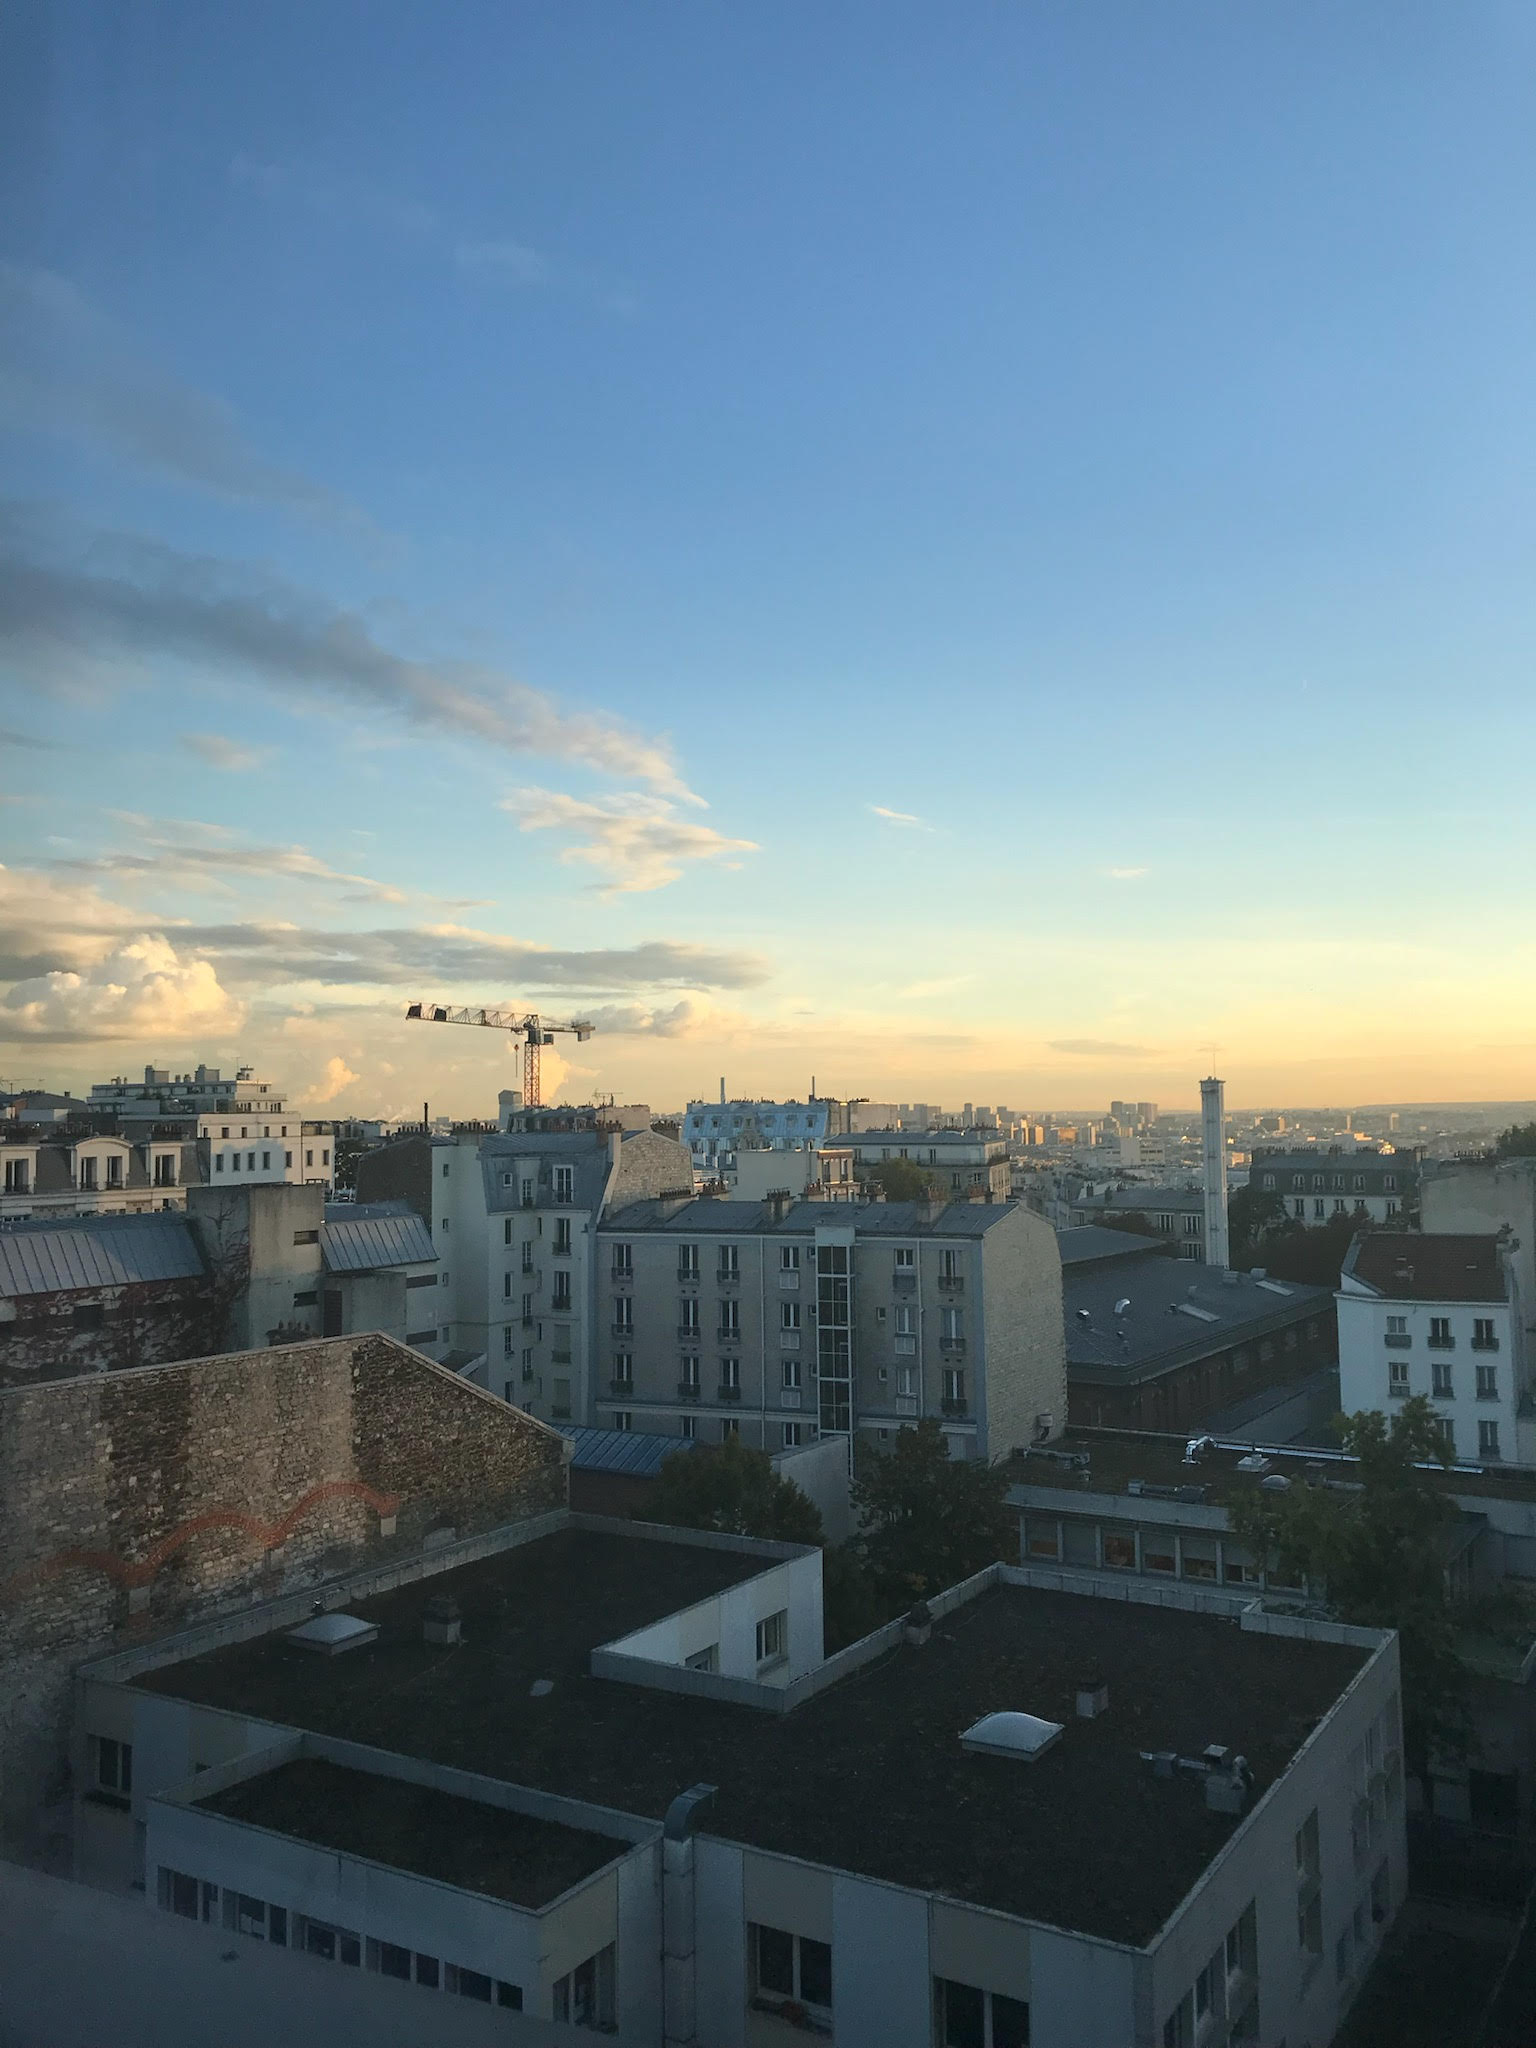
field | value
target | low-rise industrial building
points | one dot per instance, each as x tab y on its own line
1155	1342
606	1775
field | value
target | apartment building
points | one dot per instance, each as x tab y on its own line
1318	1184
512	1215
780	1321
970	1165
715	1131
1487	1196
1176	1214
84	1172
648	1804
1439	1315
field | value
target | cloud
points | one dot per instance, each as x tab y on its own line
693	1017
67	616
219	752
144	989
335	1080
1101	1048
514	261
69	367
31	741
640	839
204	865
903	818
1126	874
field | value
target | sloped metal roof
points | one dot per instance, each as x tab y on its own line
57	1254
359	1237
636	1451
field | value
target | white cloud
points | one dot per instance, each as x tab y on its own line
1126	874
106	606
218	752
335	1080
213	866
639	839
906	819
143	989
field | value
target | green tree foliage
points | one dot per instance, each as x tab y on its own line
929	1520
1518	1142
1253	1217
901	1180
733	1488
1376	1556
1136	1221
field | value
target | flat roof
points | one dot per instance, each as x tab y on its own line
868	1776
1088	1244
435	1834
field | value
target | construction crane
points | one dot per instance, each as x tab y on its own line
535	1032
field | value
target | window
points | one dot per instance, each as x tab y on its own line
1319	1209
527	1259
689	1427
585	1997
88	1173
689	1374
1157	1552
306	1237
730	1262
1268	1180
729	1427
773	1637
1389	1182
218	1164
790	1368
623	1308
178	1893
1483	1337
952	1326
1359	1183
968	2017
623	1419
506	1337
1192	1225
506	1286
789	1258
1441	1374
1397	1376
687	1262
18	1176
114	1766
906	1261
730	1375
789	1969
791	1434
1448	1432
1487	1438
789	1315
1301	1208
561	1301
1440	1332
730	1318
90	1315
562	1245
564	1179
623	1262
524	1192
704	1660
114	1171
1487	1383
688	1315
954	1390
1397	1326
950	1267
287	1159
1120	1550
306	1298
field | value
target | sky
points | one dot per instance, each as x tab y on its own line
974	553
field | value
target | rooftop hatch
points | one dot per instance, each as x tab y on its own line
1024	1736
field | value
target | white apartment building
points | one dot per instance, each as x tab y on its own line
971	1165
780	1321
512	1215
1439	1315
1034	1814
1316	1185
46	1174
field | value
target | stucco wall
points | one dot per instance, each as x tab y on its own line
1022	1372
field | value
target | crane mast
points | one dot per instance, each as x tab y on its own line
535	1031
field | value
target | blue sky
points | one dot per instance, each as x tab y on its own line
971	552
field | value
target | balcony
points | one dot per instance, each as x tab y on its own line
621	1387
1485	1343
620	1329
725	1393
687	1276
687	1390
624	1277
731	1339
1396	1343
952	1345
955	1406
952	1283
732	1279
1442	1343
690	1333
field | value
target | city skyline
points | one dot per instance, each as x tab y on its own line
829	545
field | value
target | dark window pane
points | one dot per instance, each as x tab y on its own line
320	1941
394	1961
815	1972
428	1971
350	1949
278	1926
183	1895
473	1985
964	2017
776	1961
1010	2022
510	1995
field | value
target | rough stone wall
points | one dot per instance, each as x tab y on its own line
1025	1354
650	1165
132	1503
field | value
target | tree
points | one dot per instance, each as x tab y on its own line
733	1488
1135	1221
901	1180
929	1520
1376	1556
1518	1142
1253	1217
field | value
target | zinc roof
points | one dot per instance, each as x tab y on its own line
52	1255
357	1237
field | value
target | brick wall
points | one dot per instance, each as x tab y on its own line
131	1503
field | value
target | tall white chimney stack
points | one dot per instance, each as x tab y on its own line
1213	1145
